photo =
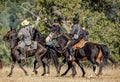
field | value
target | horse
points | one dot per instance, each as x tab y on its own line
11	37
51	53
93	52
62	41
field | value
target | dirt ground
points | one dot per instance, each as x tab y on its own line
109	75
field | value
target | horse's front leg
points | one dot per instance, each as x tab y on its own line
21	66
81	66
69	66
11	70
34	70
39	54
73	69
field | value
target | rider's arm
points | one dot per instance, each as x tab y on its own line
48	25
36	23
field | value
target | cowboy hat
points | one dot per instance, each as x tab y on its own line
25	22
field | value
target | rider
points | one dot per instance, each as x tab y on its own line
25	35
55	30
75	34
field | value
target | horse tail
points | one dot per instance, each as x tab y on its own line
53	55
106	54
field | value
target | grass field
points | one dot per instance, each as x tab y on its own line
109	75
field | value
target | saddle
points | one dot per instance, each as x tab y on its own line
80	44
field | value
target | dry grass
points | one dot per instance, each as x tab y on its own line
109	75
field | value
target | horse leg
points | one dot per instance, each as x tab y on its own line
48	67
55	60
69	66
11	71
73	69
34	70
21	66
100	68
81	66
93	61
61	64
39	54
44	62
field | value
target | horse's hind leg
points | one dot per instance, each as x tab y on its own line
21	66
12	67
100	68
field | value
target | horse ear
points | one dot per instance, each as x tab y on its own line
10	28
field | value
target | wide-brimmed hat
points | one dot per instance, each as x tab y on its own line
25	22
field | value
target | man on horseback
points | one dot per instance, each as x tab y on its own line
55	31
25	35
75	34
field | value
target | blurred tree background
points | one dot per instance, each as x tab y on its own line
100	17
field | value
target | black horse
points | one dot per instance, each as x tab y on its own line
62	41
12	38
95	53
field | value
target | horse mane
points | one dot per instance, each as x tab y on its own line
65	36
37	36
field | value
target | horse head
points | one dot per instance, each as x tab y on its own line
37	36
62	40
11	34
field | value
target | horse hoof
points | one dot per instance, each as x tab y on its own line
73	76
101	73
90	76
9	75
83	75
62	75
96	74
43	74
46	74
35	72
57	75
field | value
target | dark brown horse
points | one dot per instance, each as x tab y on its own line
52	53
95	53
11	37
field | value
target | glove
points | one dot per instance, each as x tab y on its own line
75	36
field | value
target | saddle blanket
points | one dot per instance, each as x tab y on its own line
80	44
32	46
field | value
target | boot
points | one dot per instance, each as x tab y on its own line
72	54
22	54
